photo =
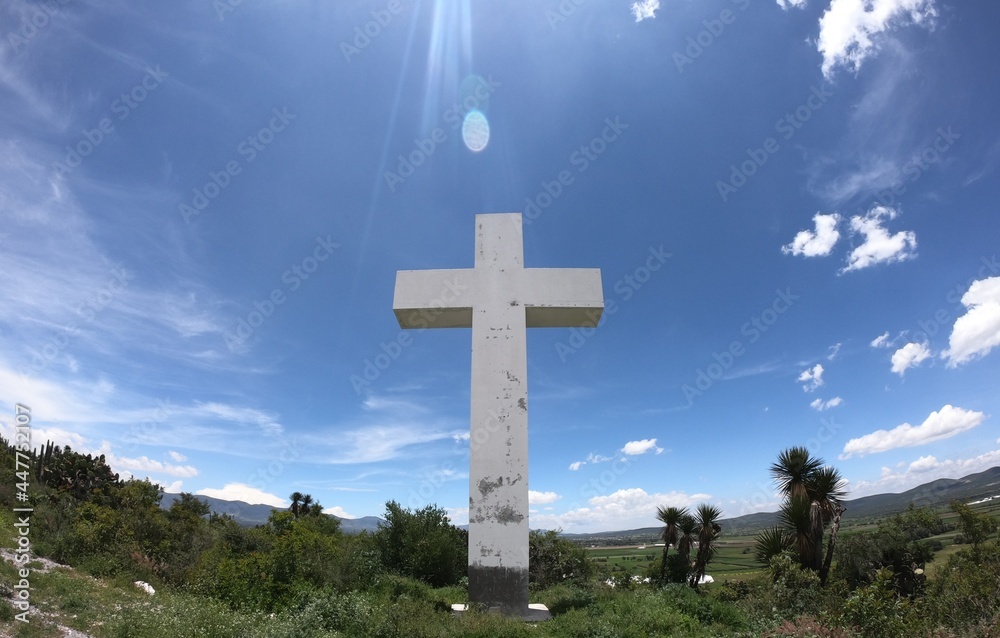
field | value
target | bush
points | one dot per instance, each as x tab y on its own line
879	612
784	592
422	544
552	560
965	591
625	615
807	627
565	597
705	609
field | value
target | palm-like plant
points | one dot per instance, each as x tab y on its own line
794	516
685	541
307	504
670	517
296	507
706	522
827	487
771	542
793	471
813	494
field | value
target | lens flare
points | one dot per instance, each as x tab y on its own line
475	131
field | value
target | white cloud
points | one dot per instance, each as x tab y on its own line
784	4
245	493
645	9
542	498
265	421
813	378
380	442
943	424
623	509
820	404
174	488
816	243
924	470
177	456
146	464
338	511
879	246
977	331
834	350
591	458
881	341
851	30
634	448
909	356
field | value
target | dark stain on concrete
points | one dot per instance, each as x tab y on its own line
486	486
508	514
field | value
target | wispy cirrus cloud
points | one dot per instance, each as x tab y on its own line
820	404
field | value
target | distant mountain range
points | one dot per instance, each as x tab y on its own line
250	515
936	493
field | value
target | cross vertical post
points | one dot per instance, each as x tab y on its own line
499	299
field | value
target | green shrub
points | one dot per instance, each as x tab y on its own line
879	612
807	627
554	560
701	607
565	597
179	615
965	592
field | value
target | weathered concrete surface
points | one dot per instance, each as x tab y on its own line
499	299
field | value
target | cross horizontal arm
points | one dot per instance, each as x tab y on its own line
434	298
563	297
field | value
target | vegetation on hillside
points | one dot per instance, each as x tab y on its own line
300	575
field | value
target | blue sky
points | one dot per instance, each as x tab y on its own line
792	204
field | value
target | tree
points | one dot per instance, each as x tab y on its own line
813	494
307	505
976	528
706	521
678	564
296	507
686	525
422	544
553	560
670	517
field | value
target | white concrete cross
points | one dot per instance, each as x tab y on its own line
499	299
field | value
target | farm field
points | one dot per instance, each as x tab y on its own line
735	561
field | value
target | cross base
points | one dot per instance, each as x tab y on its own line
503	587
535	612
